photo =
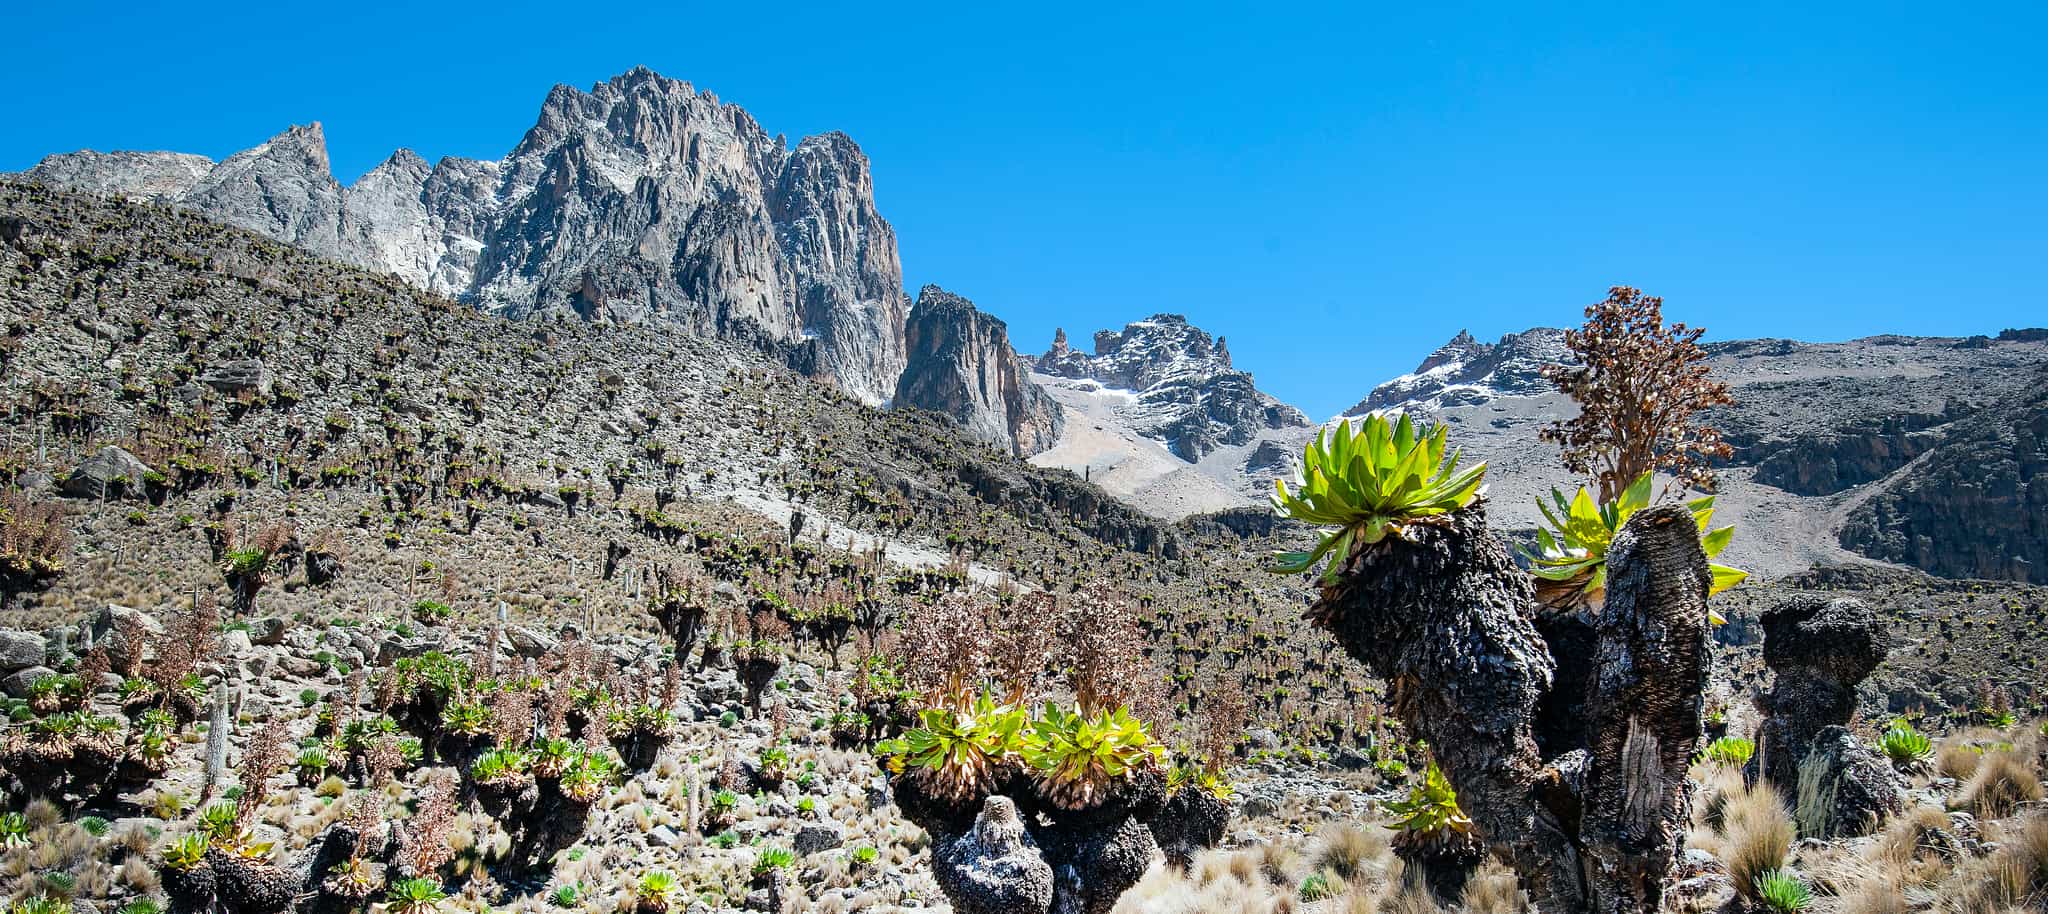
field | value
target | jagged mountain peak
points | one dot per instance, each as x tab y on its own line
1142	355
961	363
403	159
1157	413
1466	372
639	200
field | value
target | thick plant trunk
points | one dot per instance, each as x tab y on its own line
1449	622
1444	619
1643	704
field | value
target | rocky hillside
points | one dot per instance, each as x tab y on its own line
1160	416
1917	450
640	201
297	481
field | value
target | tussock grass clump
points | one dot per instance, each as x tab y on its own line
2002	780
1755	835
1493	889
1355	854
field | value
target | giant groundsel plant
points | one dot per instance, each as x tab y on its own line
1369	484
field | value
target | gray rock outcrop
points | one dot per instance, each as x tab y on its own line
1466	372
961	364
111	473
109	630
1845	789
20	650
1819	650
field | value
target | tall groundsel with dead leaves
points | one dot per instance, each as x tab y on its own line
1640	385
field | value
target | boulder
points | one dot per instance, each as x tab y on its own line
16	685
1845	790
107	628
1819	650
238	376
111	473
394	648
817	836
20	650
528	642
268	630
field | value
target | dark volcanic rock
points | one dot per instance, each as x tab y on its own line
111	473
1819	649
1853	790
1823	464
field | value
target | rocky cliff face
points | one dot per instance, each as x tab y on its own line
642	200
961	364
1977	506
1182	388
156	176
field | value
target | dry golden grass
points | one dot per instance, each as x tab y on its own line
1354	853
1956	761
1755	834
2002	780
1411	898
2015	876
1493	889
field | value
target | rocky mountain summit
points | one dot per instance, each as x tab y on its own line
1466	372
1159	415
1183	388
642	201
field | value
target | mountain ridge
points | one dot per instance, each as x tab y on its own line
644	201
641	200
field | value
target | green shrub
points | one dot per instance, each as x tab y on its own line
1431	809
1728	752
13	830
1783	892
774	858
1319	886
1905	746
414	896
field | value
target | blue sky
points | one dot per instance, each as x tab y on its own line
1336	189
